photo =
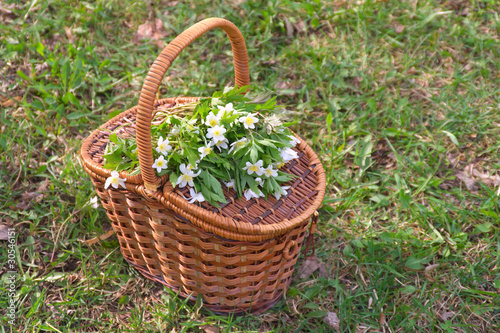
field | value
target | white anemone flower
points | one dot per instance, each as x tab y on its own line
205	150
175	130
115	180
227	89
216	133
237	144
187	176
195	196
163	146
94	203
229	184
257	168
225	110
249	194
159	164
249	121
212	120
283	191
288	154
190	126
221	144
259	181
270	172
293	140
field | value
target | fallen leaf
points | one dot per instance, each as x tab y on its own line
332	320
210	328
282	85
152	30
311	265
399	28
69	34
428	271
470	182
102	237
382	319
446	315
28	196
4	235
11	101
289	28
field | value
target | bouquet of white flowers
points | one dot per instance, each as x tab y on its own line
227	140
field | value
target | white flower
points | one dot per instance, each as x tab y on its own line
190	126
163	146
195	196
249	194
205	150
227	89
115	180
94	203
293	140
225	110
221	144
273	123
238	144
283	191
187	175
212	120
249	121
216	101
259	181
498	191
175	130
193	167
257	168
229	184
160	163
216	133
270	172
288	154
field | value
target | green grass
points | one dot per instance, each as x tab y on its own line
396	115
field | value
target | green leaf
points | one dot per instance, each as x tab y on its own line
408	289
40	48
23	76
317	314
483	228
452	137
414	262
65	73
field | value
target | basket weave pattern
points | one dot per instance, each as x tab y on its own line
238	257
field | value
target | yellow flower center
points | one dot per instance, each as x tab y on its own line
249	121
241	143
186	178
213	122
216	132
269	172
159	163
254	168
115	180
208	150
281	165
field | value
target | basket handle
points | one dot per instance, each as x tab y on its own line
155	76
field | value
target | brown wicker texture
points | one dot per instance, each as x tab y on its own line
239	257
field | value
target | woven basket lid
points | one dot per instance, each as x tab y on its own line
237	219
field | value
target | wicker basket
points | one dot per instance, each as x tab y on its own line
239	257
